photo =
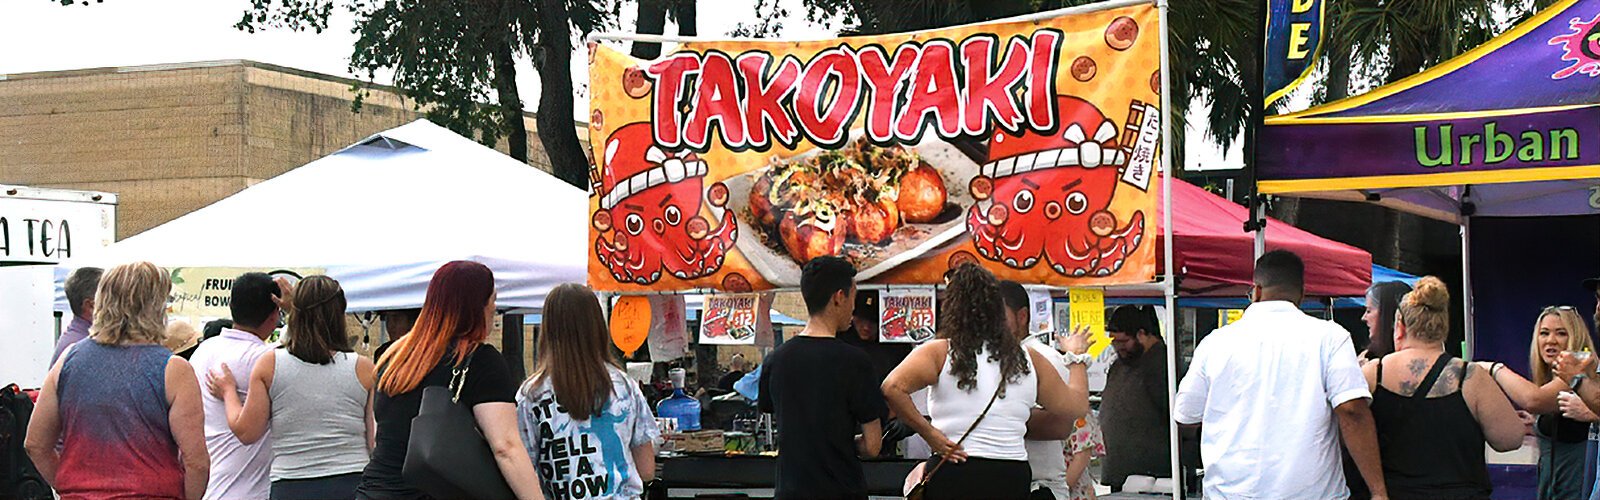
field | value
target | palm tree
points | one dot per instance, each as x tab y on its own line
652	20
1384	41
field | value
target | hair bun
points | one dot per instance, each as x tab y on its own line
1429	293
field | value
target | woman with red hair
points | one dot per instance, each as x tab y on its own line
450	332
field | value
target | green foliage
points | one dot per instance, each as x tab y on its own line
1398	38
442	55
768	23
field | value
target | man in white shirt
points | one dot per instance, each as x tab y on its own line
1047	457
1272	393
238	470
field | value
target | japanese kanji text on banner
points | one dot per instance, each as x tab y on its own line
1028	147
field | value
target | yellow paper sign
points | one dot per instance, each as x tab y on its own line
1088	307
630	322
1228	316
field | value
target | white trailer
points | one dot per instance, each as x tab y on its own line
39	228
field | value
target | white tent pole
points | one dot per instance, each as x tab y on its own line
1466	287
1169	279
1260	214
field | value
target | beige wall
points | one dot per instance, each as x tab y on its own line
171	139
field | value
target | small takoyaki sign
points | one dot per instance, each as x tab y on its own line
1029	147
906	315
730	319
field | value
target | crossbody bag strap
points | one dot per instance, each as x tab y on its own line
985	413
974	426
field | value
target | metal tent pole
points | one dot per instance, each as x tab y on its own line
1260	214
1169	279
1469	328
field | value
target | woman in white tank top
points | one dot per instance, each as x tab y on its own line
974	360
313	393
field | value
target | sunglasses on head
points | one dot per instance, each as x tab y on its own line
1552	309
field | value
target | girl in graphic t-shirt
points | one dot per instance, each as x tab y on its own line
585	424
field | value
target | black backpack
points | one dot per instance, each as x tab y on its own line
18	478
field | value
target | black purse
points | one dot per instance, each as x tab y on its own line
447	456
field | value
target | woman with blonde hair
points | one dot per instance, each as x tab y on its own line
579	394
1562	428
125	410
457	313
1435	412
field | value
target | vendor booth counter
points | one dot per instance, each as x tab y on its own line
751	476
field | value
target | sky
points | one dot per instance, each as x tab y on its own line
43	35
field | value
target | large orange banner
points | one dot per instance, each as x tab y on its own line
1029	147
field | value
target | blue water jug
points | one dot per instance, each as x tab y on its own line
680	406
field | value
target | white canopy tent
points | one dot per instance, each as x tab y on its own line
381	216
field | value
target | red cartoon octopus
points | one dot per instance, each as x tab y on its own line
652	198
1048	195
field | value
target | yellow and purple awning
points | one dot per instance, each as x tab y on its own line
1512	126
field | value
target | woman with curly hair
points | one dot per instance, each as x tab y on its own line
984	389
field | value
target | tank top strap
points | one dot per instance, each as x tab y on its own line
1380	370
1433	376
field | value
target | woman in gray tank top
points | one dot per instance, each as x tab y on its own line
317	399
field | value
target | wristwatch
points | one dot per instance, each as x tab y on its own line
1077	359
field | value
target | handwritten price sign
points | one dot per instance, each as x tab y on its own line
1088	308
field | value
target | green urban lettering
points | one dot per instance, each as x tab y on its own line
1498	145
1492	145
1533	149
1444	157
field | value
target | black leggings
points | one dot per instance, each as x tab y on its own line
979	478
340	487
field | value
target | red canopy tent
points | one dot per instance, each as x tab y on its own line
1215	257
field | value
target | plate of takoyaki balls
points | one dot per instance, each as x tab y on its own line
876	206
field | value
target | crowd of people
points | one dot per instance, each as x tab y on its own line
1279	398
1278	395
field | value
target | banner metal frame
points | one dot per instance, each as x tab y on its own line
1167	281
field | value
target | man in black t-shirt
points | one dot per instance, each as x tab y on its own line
396	323
820	390
737	367
863	334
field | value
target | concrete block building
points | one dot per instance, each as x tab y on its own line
170	139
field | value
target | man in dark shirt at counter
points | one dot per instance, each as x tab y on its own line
820	390
863	334
1134	408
